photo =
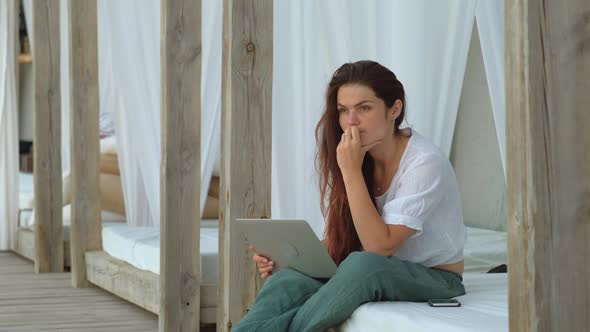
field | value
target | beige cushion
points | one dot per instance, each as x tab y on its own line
211	210
110	193
109	164
214	187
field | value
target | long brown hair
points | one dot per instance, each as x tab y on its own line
340	232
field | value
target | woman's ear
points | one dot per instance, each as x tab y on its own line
396	109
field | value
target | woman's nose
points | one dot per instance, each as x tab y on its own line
353	119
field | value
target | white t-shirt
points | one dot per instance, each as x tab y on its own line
424	195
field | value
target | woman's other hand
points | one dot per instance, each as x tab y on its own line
264	264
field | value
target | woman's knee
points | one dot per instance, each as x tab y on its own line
288	274
364	262
291	278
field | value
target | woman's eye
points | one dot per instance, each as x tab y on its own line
341	110
364	108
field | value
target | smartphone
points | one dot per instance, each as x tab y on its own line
444	303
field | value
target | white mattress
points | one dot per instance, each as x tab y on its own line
27	191
484	249
484	308
27	219
140	247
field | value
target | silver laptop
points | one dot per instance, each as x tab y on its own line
290	244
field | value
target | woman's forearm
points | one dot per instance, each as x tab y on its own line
372	231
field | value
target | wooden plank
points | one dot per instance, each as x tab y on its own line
547	82
84	106
25	246
25	243
31	302
120	278
181	57
139	286
47	141
246	147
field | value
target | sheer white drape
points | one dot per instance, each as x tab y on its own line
28	8
211	93
8	126
129	63
490	23
129	55
424	42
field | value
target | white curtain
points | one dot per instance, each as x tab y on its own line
64	69
211	93
490	23
28	8
129	56
129	62
424	42
8	126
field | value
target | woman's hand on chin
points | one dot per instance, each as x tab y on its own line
349	152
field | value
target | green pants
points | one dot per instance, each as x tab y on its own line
292	301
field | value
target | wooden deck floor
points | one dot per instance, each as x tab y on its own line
47	302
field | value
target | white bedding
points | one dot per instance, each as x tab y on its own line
26	199
140	247
484	249
484	308
27	219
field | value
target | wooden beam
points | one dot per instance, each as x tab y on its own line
25	246
49	254
547	83
181	58
84	106
138	286
246	147
25	243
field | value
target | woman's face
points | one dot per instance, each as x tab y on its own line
359	106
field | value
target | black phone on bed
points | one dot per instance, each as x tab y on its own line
444	303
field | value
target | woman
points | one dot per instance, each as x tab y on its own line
394	218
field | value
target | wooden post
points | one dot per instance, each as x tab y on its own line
49	245
181	165
84	105
547	88
246	147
